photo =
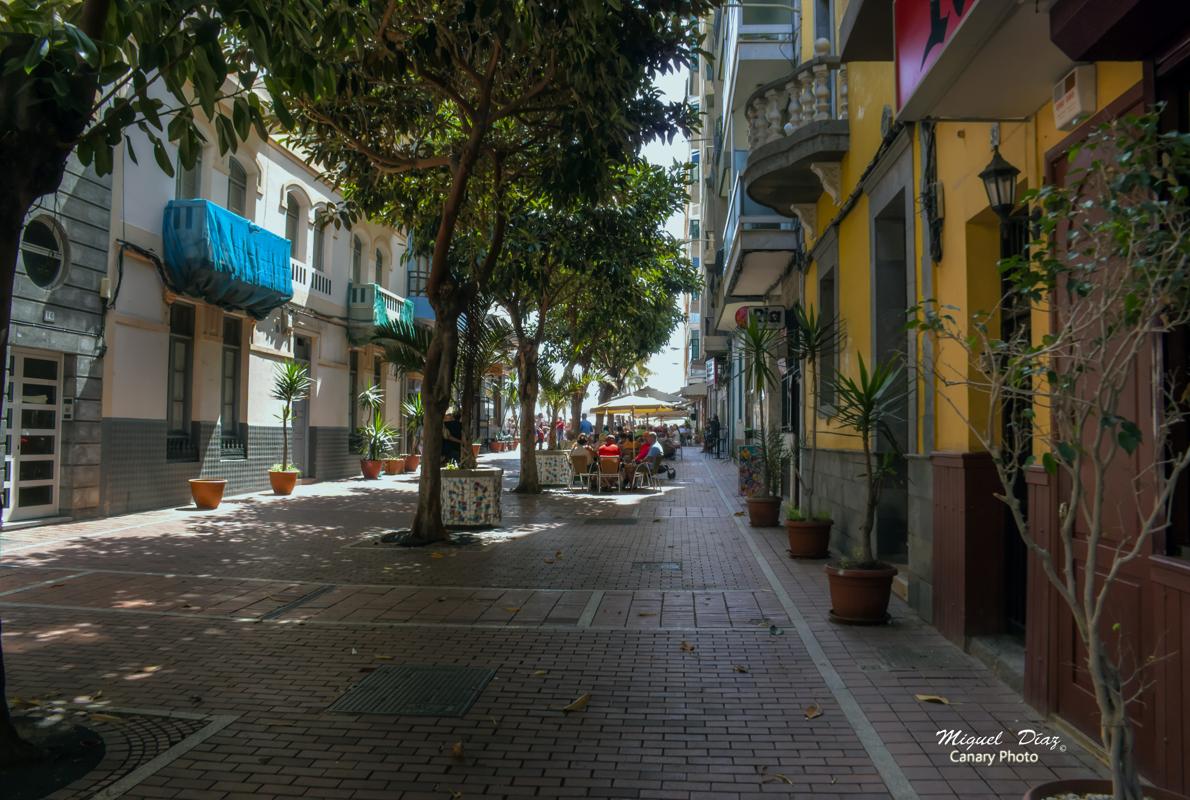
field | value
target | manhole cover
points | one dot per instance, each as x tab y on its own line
416	691
658	566
611	521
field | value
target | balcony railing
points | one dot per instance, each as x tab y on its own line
370	304
300	272
816	91
232	445
744	213
320	282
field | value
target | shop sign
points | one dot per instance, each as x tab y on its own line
923	28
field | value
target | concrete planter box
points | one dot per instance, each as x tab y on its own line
471	497
553	467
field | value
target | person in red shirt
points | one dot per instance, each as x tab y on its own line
609	447
645	444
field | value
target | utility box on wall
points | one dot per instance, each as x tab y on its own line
1074	97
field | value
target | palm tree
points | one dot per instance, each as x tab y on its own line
759	345
291	384
813	339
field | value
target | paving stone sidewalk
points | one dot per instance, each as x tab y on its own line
711	670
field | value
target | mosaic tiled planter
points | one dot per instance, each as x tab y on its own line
553	467
471	496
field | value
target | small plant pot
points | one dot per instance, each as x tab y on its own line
1082	786
763	512
371	469
283	481
411	462
859	596
475	450
394	466
207	493
808	538
516	443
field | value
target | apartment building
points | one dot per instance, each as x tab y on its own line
215	276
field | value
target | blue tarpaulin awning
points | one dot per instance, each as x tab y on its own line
229	261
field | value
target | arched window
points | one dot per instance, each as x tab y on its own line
319	246
379	267
293	212
189	181
237	188
357	260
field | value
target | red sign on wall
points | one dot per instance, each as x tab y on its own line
923	29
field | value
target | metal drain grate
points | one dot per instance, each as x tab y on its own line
611	521
416	691
658	566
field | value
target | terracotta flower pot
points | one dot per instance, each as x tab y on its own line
763	511
860	596
411	462
1090	786
283	481
475	450
808	538
207	493
394	466
371	469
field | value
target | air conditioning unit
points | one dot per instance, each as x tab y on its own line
1074	97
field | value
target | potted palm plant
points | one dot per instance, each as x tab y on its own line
759	347
414	412
375	436
860	586
812	339
291	384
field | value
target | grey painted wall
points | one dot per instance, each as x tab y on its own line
82	207
138	477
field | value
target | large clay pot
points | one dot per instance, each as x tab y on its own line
207	493
411	462
1091	786
764	511
808	538
860	596
283	481
371	469
394	466
475	450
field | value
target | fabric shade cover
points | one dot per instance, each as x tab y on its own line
634	404
224	259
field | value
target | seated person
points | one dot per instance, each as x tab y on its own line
609	447
645	444
655	449
584	450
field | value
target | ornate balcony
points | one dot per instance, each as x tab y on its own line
797	135
369	305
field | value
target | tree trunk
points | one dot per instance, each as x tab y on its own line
436	385
13	749
1116	730
527	385
605	394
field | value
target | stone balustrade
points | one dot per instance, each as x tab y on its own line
815	91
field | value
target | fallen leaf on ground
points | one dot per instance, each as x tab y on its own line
686	647
437	555
455	795
512	609
441	599
495	722
57	586
456	750
775	631
549	561
558	554
354	652
647	614
739	668
931	698
776	776
153	668
813	710
579	703
539	673
739	513
196	698
383	658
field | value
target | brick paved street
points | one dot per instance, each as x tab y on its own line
700	642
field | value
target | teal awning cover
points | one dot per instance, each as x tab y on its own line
220	257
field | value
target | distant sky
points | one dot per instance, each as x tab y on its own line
667	365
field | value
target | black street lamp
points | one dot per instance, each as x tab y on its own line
999	181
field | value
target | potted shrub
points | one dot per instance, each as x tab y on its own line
860	586
759	345
811	339
291	384
414	412
1107	266
375	436
207	493
394	464
475	446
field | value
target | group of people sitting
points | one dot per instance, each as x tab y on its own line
585	455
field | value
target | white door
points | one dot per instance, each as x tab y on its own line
32	435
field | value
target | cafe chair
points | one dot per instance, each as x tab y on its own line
609	472
581	472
